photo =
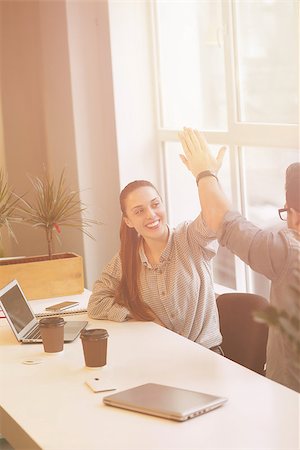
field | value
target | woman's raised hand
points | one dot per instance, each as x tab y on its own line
197	156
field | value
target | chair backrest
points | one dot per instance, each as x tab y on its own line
244	339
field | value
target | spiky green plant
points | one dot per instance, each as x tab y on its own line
8	204
286	322
55	206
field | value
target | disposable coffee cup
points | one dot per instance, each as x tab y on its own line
94	343
52	333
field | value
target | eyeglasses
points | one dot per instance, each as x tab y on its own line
283	213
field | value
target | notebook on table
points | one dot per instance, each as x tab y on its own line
65	312
165	401
22	320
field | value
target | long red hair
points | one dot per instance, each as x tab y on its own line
127	293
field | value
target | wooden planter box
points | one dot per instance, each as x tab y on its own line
40	277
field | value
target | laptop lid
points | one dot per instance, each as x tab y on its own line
22	319
17	310
165	401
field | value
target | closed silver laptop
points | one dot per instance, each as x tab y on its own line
22	319
165	401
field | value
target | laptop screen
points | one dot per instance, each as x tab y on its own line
17	308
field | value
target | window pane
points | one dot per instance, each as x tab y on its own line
183	204
267	54
191	64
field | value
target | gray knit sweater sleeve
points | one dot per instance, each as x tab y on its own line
265	251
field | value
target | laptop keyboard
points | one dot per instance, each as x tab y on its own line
34	334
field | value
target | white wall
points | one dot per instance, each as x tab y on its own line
2	154
133	79
4	239
57	104
94	123
21	99
77	92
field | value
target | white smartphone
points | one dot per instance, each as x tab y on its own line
61	306
97	385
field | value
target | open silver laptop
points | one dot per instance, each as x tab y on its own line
22	319
165	401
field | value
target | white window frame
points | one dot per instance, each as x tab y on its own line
238	134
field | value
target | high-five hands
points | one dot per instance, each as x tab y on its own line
197	156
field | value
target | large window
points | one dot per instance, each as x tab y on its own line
266	43
229	68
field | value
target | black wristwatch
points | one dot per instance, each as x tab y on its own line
205	173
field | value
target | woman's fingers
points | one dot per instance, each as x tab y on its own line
192	139
197	152
220	156
201	139
184	160
186	143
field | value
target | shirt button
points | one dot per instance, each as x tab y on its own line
163	293
172	315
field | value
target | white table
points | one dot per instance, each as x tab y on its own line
49	406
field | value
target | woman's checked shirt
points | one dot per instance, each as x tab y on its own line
179	290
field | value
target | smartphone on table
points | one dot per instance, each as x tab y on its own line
61	306
97	385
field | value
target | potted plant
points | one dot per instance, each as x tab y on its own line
286	322
8	204
54	206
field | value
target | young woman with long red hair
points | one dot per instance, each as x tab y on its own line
160	274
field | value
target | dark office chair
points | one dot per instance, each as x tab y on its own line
244	339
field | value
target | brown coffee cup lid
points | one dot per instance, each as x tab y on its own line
94	334
51	321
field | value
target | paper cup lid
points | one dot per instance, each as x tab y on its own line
94	334
51	321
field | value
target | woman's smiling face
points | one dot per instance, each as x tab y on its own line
146	213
